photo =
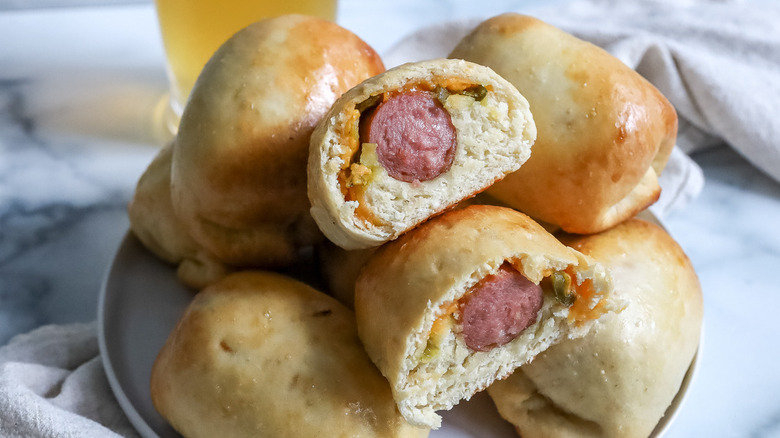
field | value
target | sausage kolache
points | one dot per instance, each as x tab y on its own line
410	143
467	297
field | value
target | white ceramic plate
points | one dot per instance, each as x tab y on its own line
142	300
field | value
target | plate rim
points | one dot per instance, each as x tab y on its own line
135	418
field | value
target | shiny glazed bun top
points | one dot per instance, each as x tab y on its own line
239	162
604	133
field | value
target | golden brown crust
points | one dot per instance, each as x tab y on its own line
407	282
604	132
631	364
260	354
239	163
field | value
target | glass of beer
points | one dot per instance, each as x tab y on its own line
192	30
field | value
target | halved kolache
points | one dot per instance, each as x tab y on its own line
411	142
467	297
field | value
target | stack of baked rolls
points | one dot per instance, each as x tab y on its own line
471	294
438	186
154	222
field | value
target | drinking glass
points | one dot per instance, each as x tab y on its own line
192	30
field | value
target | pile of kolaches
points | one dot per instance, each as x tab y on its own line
472	221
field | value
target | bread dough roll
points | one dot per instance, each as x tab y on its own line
239	160
156	225
261	354
414	297
619	379
411	142
604	132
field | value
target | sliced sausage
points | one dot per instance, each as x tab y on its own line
414	135
499	308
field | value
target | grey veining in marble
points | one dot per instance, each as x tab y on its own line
52	206
68	165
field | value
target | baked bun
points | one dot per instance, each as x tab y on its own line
411	142
261	354
464	299
239	159
154	222
619	379
604	132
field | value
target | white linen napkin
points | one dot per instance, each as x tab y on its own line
719	64
52	385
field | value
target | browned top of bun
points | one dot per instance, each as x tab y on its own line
239	163
604	132
261	354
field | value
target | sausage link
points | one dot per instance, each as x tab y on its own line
499	308
414	135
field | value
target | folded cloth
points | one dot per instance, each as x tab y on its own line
52	384
717	62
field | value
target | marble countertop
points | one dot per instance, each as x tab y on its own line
78	90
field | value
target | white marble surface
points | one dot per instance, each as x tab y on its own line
78	87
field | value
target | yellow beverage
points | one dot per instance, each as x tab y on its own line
192	30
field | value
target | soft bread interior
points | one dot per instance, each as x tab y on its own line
438	380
